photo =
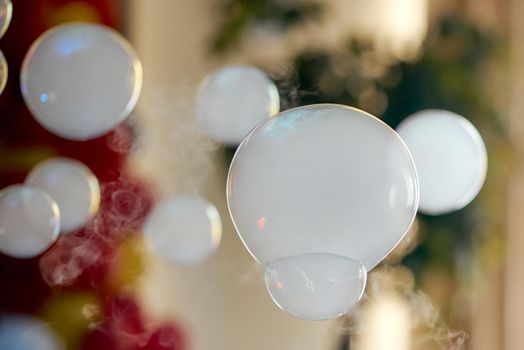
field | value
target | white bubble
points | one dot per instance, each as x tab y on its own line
450	157
3	72
72	185
19	332
233	101
322	179
6	11
183	230
29	221
315	286
81	80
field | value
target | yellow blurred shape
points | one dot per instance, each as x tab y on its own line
128	265
23	159
386	324
77	11
71	315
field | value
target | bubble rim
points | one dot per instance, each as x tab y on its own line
9	11
318	106
5	71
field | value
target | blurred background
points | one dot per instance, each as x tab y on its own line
455	282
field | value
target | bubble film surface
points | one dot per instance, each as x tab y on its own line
322	179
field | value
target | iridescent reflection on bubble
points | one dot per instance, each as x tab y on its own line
3	72
6	11
29	221
315	286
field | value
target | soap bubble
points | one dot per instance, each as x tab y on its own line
19	332
3	72
6	11
315	286
183	230
233	101
450	157
72	185
322	179
29	221
81	80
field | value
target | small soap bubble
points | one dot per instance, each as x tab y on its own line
183	230
316	286
81	80
72	185
19	332
29	221
234	100
450	157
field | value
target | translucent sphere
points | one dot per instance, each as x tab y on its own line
29	221
322	179
233	101
315	286
3	72
72	185
183	230
19	332
6	11
81	80
450	157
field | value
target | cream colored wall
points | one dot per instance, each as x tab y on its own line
222	303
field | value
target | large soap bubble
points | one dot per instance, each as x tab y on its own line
183	230
29	221
6	11
3	72
81	80
72	185
450	157
18	332
233	101
322	179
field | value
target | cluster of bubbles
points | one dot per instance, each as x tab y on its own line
6	11
59	195
80	81
319	194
